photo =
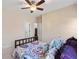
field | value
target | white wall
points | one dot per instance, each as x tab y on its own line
13	28
59	23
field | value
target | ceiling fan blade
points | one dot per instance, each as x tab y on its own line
39	3
31	11
25	8
40	9
28	2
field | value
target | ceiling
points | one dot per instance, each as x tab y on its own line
48	6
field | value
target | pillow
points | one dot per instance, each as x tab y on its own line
28	44
56	43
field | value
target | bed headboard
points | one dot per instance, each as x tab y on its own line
25	41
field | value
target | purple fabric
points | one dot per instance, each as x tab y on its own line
69	53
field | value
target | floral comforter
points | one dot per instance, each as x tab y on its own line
28	51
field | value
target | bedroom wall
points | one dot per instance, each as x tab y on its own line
59	23
13	28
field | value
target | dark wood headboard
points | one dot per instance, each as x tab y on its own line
25	41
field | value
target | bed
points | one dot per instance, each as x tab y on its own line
32	48
29	48
25	41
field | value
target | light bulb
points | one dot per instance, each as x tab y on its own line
33	7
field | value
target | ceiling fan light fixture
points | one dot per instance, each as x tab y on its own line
33	7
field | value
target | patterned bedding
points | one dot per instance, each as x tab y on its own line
28	51
53	46
32	50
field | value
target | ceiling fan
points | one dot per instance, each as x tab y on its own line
34	6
